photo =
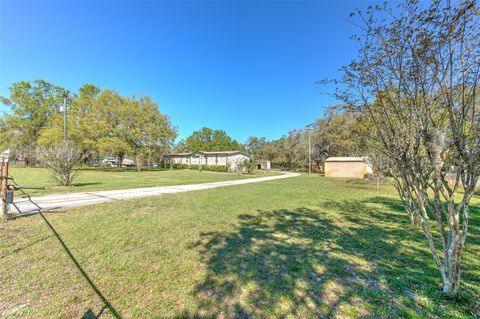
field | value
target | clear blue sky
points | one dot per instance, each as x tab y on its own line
246	67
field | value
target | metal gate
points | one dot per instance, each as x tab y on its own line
7	188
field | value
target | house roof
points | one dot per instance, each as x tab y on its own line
208	153
179	154
346	159
220	152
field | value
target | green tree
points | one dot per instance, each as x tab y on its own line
32	105
99	122
86	124
294	149
249	165
153	133
269	151
207	139
253	144
338	133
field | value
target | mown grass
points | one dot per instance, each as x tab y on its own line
109	179
304	247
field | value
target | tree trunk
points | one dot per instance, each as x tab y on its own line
413	218
451	287
139	162
120	160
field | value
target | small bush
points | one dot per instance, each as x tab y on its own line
215	168
220	168
180	166
250	166
163	165
62	161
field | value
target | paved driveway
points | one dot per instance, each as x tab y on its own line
68	200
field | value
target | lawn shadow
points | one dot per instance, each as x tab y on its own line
89	314
85	184
259	264
303	263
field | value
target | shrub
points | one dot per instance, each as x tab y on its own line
62	161
220	168
180	166
249	165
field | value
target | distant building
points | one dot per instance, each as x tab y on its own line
113	162
20	160
350	167
229	159
263	165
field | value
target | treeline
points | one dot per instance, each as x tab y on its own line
99	122
336	134
104	123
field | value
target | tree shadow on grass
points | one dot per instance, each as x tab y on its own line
394	207
305	263
410	265
85	184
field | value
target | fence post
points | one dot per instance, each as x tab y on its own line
4	183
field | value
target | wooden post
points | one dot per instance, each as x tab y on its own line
4	184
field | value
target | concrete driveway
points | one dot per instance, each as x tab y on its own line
69	200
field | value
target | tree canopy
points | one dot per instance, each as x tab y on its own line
207	139
32	105
100	122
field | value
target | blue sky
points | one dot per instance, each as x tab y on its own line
246	67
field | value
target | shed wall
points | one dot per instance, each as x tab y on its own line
347	169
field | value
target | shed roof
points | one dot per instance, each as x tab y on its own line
346	159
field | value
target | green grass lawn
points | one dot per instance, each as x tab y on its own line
109	179
304	247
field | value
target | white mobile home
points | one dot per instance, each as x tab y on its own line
229	159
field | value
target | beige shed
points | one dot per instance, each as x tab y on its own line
350	167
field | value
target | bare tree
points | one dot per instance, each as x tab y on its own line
61	161
416	79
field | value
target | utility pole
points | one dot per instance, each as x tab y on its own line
65	96
309	128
